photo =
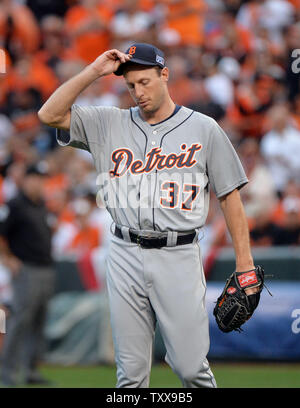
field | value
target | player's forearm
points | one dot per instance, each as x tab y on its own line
55	110
237	225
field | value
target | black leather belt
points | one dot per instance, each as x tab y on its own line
155	242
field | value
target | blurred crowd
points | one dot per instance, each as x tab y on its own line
233	60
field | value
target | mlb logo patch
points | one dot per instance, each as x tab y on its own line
160	60
247	279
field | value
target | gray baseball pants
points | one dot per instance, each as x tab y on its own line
167	286
24	340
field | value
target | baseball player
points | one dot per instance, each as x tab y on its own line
156	164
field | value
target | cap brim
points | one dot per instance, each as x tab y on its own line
136	61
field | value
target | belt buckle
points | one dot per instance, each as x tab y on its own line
142	241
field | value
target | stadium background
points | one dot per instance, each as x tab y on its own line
233	60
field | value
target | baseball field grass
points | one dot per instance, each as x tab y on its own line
268	375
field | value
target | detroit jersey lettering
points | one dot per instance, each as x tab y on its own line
156	177
124	159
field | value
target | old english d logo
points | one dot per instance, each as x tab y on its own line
132	50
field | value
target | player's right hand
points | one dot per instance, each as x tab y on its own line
109	62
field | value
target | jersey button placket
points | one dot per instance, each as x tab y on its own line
153	142
156	143
146	213
149	253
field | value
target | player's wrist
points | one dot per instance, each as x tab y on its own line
93	72
243	266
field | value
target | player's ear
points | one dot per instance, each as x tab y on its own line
165	74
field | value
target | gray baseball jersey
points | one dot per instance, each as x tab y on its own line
156	179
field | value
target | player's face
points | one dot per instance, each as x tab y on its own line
148	87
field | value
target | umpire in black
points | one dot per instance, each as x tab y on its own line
25	247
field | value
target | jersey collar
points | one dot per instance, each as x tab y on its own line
174	120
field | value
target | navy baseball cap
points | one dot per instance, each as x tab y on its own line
143	54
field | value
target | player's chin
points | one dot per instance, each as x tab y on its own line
146	107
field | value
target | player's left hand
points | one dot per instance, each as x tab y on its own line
239	299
